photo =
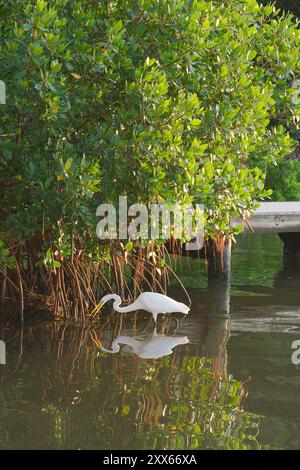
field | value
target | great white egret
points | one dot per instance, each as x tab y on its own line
149	301
153	347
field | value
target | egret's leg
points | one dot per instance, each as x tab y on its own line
154	317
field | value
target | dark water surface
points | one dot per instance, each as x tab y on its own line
210	380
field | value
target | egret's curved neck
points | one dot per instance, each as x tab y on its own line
128	308
115	348
117	302
127	340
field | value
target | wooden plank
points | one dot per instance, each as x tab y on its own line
273	217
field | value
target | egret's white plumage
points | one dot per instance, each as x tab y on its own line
149	301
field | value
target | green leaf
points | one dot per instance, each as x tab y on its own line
55	66
149	62
251	54
27	26
40	6
76	76
68	164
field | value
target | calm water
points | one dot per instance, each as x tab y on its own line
210	380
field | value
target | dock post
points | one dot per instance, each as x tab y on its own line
291	244
219	267
218	256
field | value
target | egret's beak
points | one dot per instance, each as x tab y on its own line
97	309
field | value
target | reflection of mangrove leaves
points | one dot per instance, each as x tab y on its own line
247	257
207	424
225	427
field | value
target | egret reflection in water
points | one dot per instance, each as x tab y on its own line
153	346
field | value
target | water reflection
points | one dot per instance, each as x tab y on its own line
59	391
183	386
287	280
272	309
153	346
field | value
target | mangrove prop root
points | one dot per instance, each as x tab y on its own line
72	290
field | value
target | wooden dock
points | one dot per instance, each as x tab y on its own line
276	217
273	217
